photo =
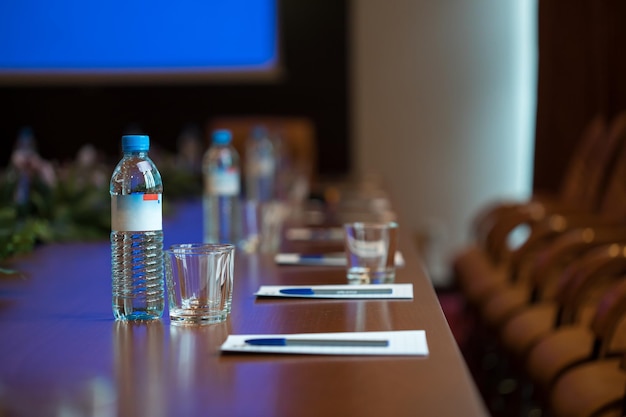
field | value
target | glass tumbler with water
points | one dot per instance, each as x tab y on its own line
370	252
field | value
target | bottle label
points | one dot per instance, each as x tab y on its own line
136	212
223	182
262	167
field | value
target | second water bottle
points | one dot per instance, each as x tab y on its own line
221	196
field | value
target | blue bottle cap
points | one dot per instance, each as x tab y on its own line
222	136
135	143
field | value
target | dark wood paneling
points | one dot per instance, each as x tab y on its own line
581	74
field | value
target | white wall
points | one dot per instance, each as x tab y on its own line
443	108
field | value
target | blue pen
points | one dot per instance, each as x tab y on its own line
331	259
328	291
281	341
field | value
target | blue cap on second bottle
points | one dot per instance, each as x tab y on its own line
132	143
222	136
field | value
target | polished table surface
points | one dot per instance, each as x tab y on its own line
62	352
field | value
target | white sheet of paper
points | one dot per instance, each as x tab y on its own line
316	234
399	291
402	342
328	259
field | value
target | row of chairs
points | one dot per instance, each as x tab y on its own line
545	281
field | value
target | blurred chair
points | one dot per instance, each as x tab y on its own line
484	268
496	284
579	188
578	339
543	270
580	287
594	389
482	280
557	240
522	312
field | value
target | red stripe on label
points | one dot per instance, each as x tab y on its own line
150	197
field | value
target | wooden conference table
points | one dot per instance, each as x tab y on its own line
61	352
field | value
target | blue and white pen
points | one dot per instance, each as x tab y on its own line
331	291
330	259
282	341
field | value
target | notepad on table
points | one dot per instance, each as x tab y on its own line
402	342
366	291
322	259
315	233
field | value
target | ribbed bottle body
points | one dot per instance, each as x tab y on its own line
137	271
138	288
221	196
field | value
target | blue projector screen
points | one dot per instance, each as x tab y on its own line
122	37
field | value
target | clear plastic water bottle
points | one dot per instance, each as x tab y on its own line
137	233
23	159
221	196
260	166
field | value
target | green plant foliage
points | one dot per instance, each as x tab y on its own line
70	209
43	203
19	236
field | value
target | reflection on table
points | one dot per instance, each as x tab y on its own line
63	353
